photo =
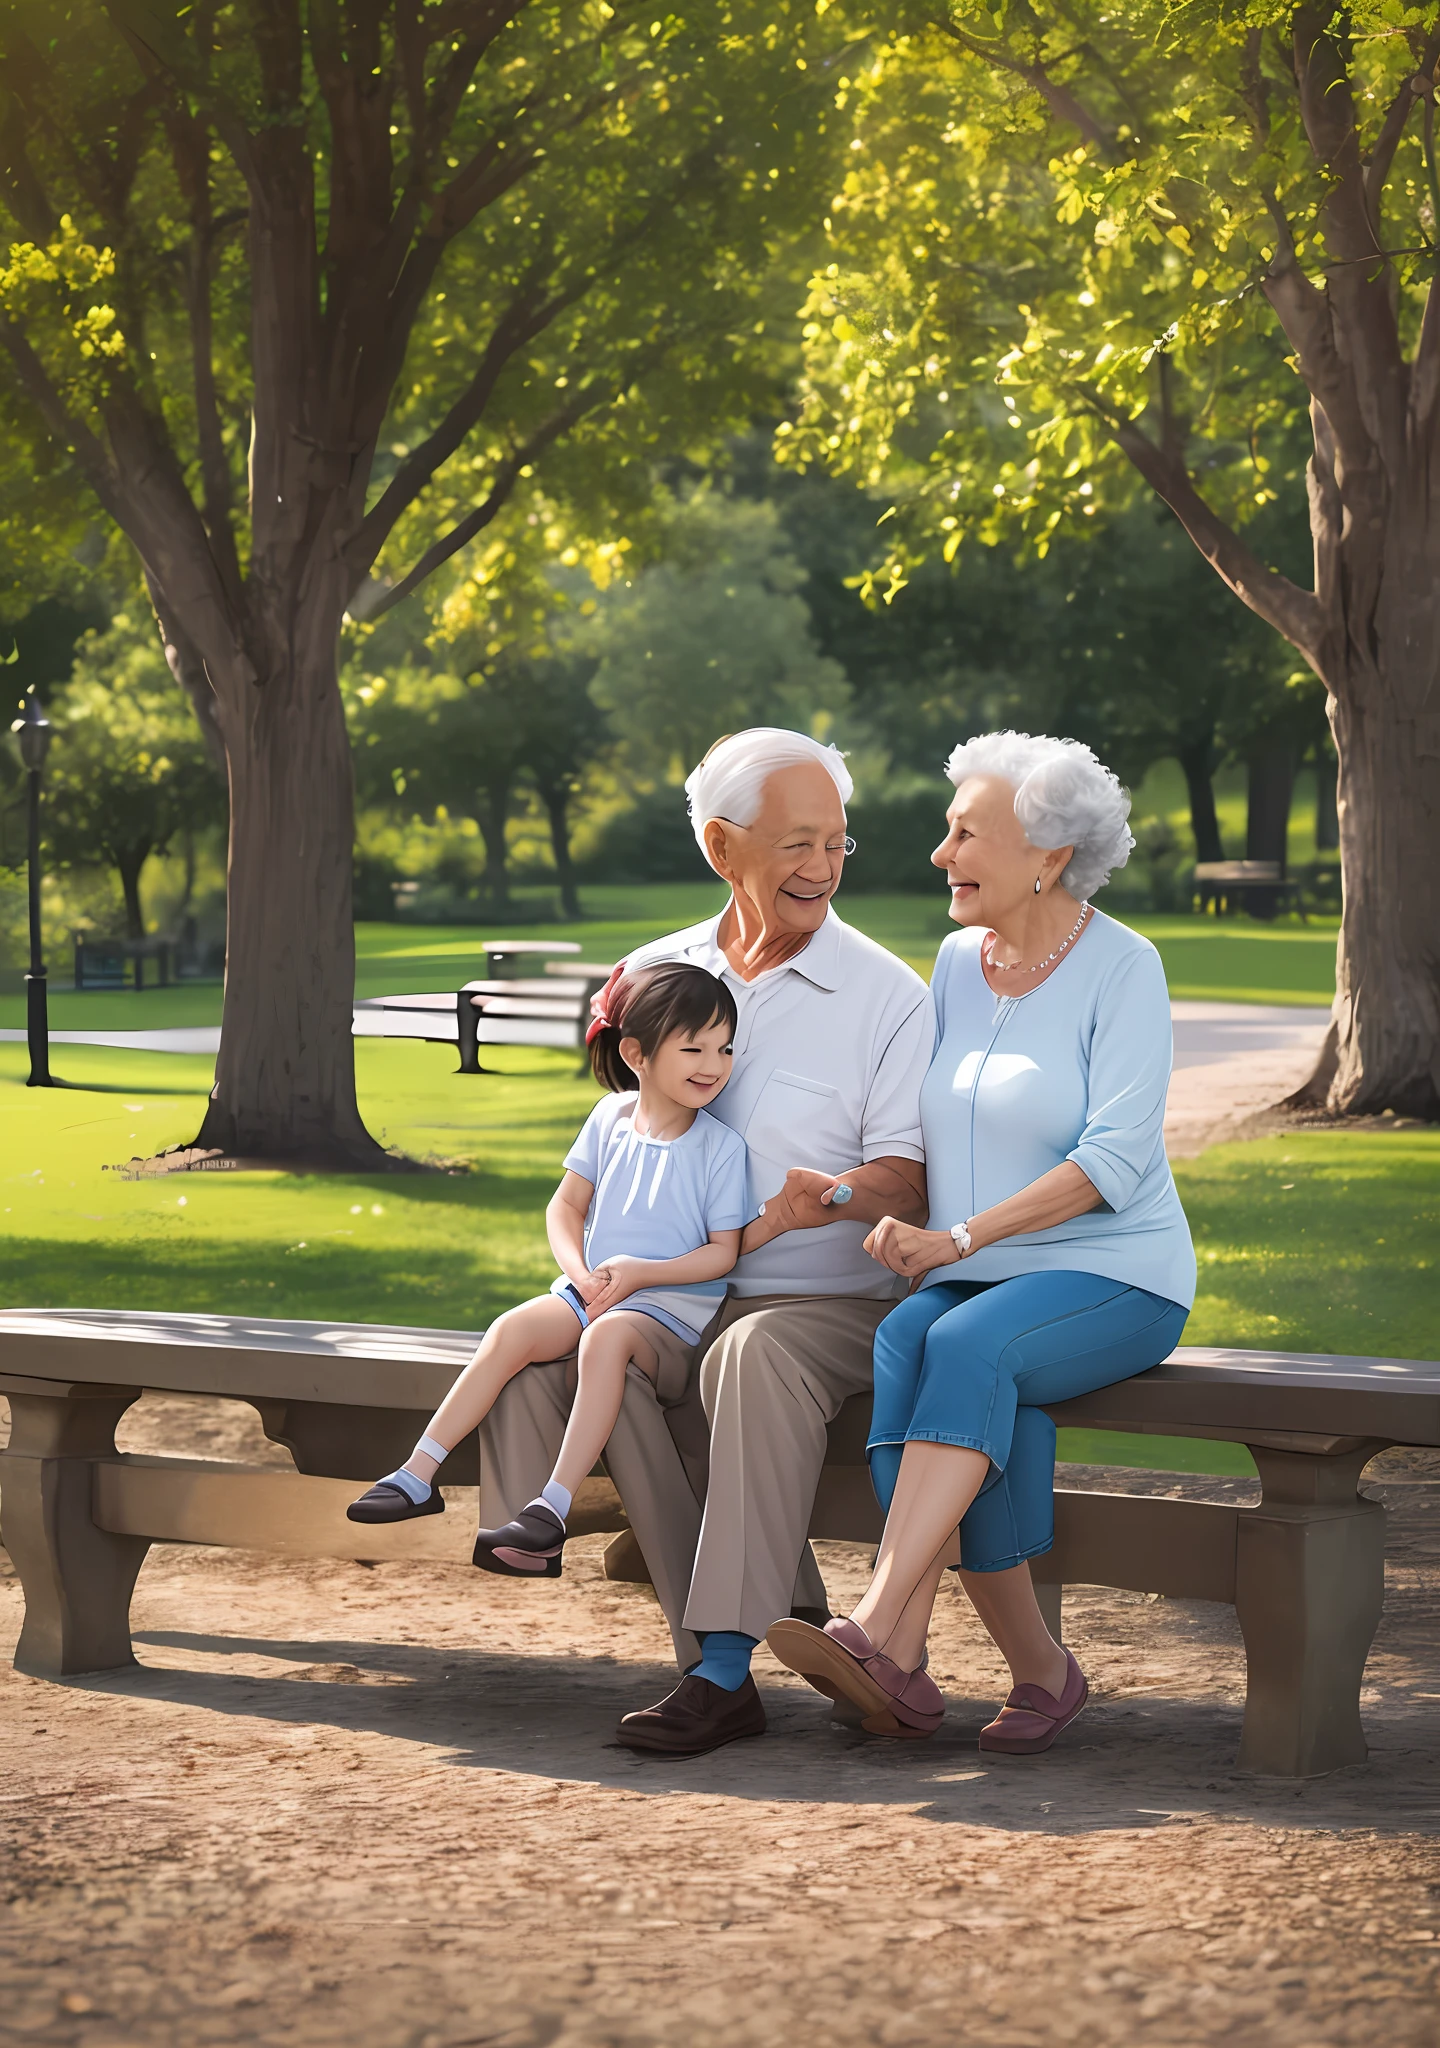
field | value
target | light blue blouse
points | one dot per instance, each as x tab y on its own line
1077	1068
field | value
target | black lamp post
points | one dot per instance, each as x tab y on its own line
34	731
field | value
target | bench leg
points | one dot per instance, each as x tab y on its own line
77	1579
467	1023
1050	1598
1309	1589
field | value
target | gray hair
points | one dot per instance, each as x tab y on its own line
1063	797
730	782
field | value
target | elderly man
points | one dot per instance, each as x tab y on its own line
833	1039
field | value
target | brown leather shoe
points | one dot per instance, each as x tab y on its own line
696	1717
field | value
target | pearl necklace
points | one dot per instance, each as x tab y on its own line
1014	966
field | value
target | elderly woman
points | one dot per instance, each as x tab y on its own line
1057	1257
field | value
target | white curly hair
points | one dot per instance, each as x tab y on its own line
1064	796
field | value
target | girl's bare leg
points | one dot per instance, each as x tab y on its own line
1005	1602
528	1335
936	1485
606	1349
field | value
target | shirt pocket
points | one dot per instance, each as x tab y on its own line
800	1122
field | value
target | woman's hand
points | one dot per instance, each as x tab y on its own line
618	1278
908	1250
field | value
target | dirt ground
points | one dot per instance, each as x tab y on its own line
339	1804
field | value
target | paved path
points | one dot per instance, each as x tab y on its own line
1205	1033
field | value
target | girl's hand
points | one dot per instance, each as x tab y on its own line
588	1286
908	1250
617	1278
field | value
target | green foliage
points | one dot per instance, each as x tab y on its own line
447	732
714	637
127	769
542	245
1056	221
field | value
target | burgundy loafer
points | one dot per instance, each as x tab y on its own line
1031	1718
841	1661
695	1718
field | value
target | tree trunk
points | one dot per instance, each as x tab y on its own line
1386	1028
494	804
128	863
556	799
1327	815
285	1076
1271	767
1195	760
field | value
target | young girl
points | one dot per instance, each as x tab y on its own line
645	1225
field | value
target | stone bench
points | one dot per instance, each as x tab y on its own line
1304	1569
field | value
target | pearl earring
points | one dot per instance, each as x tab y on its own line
1037	885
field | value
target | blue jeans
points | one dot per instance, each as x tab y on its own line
970	1363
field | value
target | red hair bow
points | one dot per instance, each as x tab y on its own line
600	1018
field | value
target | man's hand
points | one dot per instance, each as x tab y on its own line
617	1278
908	1251
806	1201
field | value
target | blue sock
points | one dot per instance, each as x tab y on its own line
726	1658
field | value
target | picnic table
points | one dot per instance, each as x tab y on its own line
507	959
1304	1569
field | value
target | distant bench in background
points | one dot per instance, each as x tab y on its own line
553	1012
1259	886
1304	1570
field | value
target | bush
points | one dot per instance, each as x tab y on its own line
895	836
651	842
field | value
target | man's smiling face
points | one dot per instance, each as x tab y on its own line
790	858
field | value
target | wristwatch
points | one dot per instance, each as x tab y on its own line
961	1234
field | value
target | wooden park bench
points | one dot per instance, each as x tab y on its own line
1304	1569
550	1012
1260	886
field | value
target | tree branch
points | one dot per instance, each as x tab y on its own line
1377	170
1282	604
182	658
1358	289
505	479
1306	318
71	433
1062	102
527	316
190	153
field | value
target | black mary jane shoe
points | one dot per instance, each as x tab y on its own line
387	1502
530	1547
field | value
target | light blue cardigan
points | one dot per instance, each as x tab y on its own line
1074	1069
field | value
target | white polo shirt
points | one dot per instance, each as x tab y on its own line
830	1052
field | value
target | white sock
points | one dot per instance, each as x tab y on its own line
557	1497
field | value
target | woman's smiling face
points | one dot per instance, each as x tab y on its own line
990	864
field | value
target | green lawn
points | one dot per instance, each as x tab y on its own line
1315	1242
1209	959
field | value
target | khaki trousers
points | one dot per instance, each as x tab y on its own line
656	1457
775	1374
776	1370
